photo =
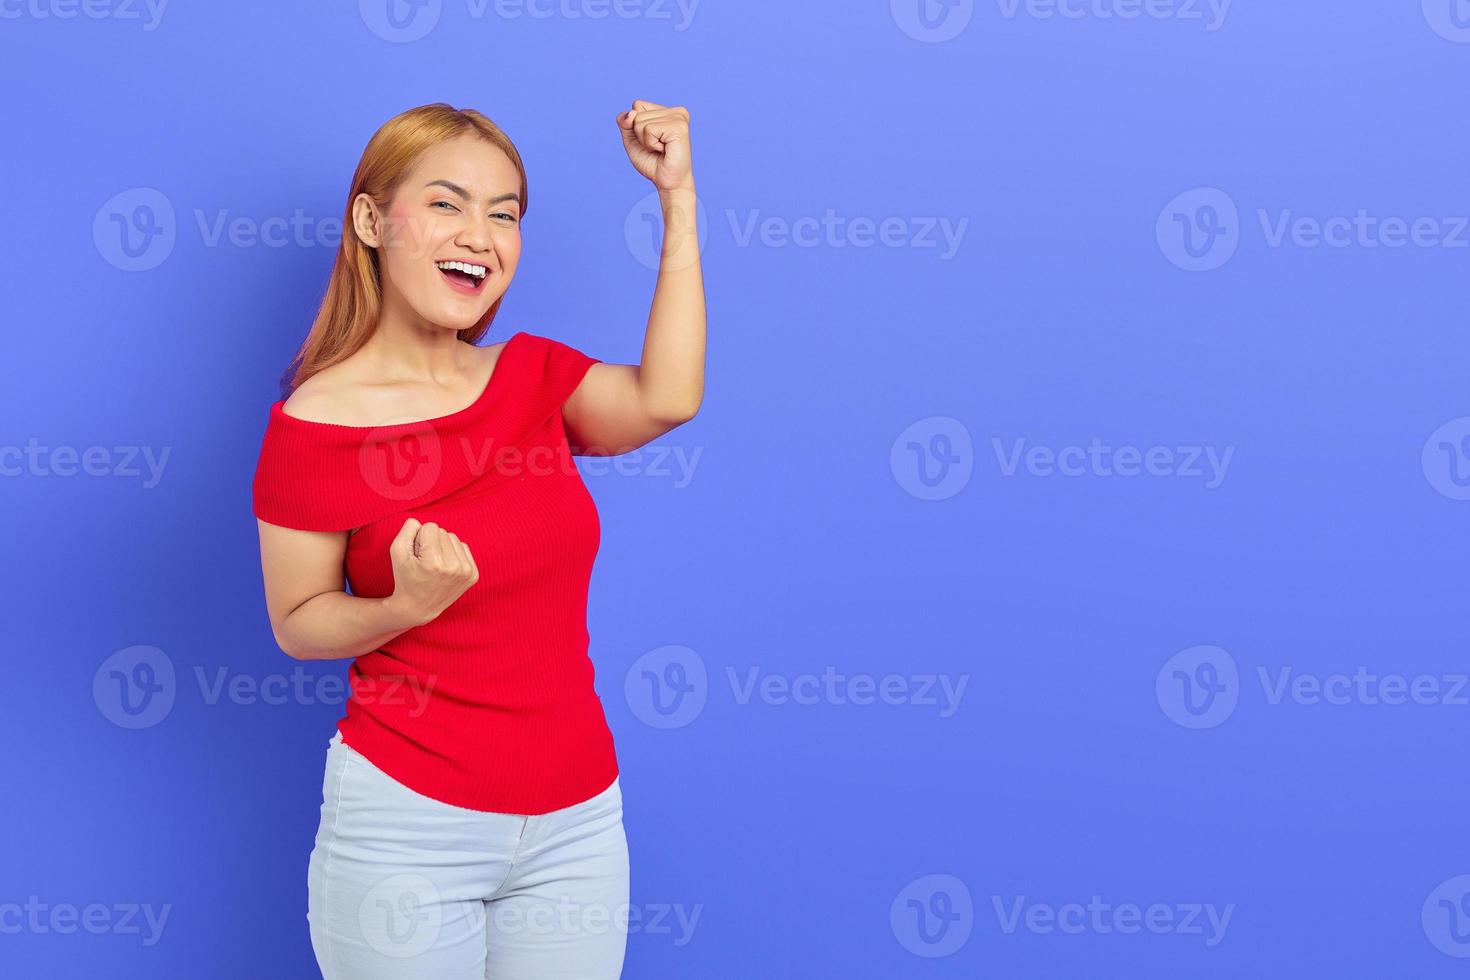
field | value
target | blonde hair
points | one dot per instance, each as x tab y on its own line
349	311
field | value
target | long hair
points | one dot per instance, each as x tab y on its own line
349	311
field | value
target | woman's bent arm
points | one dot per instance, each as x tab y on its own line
312	616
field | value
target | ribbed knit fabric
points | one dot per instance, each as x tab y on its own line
489	706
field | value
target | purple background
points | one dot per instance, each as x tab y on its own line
1086	300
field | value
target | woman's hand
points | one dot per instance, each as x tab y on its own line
431	569
656	138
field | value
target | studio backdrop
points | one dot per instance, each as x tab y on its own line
1061	578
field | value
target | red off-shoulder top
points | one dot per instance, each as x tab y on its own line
490	706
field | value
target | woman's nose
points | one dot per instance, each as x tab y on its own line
475	234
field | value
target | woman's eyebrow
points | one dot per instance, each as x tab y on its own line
464	194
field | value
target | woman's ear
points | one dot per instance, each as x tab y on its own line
366	221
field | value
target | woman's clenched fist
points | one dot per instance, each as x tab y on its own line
431	568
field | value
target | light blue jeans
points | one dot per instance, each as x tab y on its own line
402	886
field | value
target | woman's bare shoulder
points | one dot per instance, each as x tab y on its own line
326	396
341	393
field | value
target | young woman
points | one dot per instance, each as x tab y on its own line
471	820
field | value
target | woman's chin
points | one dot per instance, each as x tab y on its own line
454	318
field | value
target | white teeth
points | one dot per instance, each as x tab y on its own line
478	271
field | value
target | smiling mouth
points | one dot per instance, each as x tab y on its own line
464	277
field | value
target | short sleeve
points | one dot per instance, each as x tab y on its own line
562	368
312	478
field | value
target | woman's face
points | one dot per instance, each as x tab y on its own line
459	203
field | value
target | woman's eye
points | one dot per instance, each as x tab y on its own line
446	203
505	214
